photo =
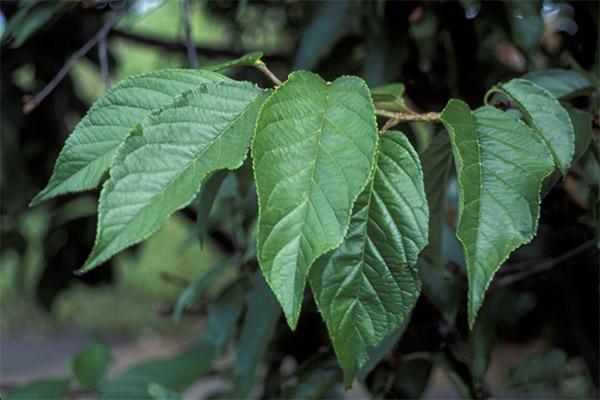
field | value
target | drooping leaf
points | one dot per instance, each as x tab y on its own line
544	365
175	373
332	20
561	83
39	389
388	93
163	162
206	198
197	288
367	287
90	364
315	377
544	113
260	321
436	161
246	59
160	392
376	354
500	164
313	153
87	153
481	343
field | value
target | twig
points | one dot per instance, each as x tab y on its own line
527	268
191	50
31	102
171	278
263	68
397	117
102	56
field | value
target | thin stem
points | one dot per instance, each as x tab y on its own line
396	117
102	56
417	355
31	102
191	50
494	89
263	68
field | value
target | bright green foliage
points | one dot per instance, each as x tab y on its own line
88	151
161	165
313	153
367	287
388	93
545	114
500	163
90	364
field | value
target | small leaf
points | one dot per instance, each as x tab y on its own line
207	195
176	373
561	83
367	287
40	389
246	59
260	321
197	288
545	114
313	154
88	151
544	365
388	93
160	392
500	163
90	364
161	165
315	377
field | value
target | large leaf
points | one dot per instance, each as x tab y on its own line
376	354
161	165
545	114
88	151
367	287
561	83
313	154
500	163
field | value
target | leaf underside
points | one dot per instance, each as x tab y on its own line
161	165
501	164
545	114
87	153
313	153
367	287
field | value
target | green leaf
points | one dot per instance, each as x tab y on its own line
436	160
367	287
376	354
331	22
500	164
442	291
40	389
161	165
561	83
197	288
260	321
315	377
456	372
90	364
544	365
175	373
545	114
160	392
388	93
207	195
481	343
313	154
31	18
247	59
88	151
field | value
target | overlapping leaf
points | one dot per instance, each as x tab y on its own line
367	287
88	151
313	154
161	165
545	114
500	163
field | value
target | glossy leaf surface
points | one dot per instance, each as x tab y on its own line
161	165
367	287
561	83
87	153
545	114
313	154
500	164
